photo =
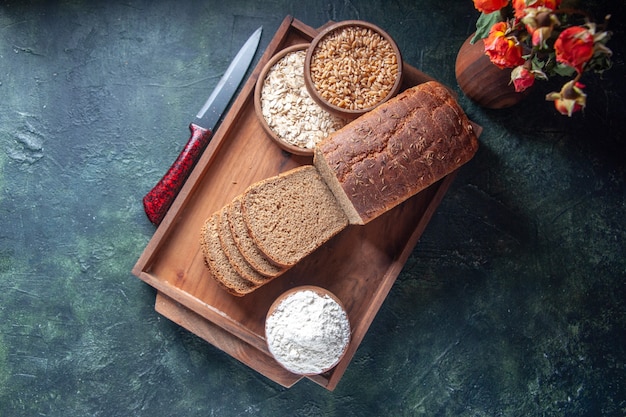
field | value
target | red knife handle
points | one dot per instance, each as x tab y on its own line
160	198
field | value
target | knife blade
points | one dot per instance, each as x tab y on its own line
158	200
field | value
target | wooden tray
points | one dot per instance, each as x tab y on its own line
359	265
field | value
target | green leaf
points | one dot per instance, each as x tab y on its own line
564	70
538	63
484	24
599	63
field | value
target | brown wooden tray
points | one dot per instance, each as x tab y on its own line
359	265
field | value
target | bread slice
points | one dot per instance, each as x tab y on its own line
292	214
217	261
235	258
396	150
246	245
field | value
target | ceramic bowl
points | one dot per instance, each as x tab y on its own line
352	67
335	333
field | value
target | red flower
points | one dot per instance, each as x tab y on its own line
522	78
520	6
570	99
574	47
489	6
504	51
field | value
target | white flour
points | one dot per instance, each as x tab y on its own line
307	333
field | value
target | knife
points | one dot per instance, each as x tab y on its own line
160	198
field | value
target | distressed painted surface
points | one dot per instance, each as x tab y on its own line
513	303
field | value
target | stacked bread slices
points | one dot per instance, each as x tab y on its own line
269	228
360	172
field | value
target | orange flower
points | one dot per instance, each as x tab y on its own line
504	51
520	6
570	99
574	47
489	6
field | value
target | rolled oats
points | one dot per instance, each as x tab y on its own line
288	108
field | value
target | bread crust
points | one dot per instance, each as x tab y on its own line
217	261
246	245
235	257
395	151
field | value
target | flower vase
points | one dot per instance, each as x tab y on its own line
481	80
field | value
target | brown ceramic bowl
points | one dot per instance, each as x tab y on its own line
354	56
336	336
306	120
